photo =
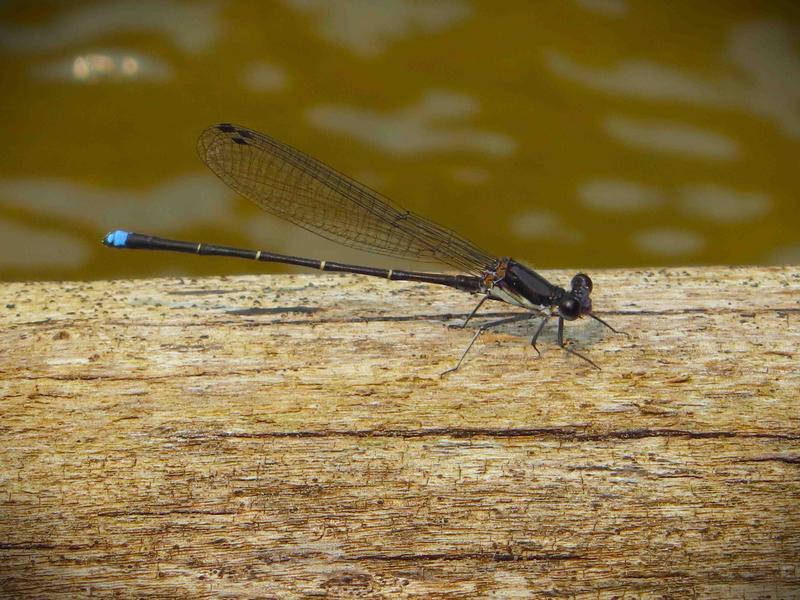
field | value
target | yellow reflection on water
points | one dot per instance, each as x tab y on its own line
93	66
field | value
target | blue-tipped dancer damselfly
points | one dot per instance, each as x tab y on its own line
290	184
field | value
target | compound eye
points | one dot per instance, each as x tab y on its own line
569	308
581	281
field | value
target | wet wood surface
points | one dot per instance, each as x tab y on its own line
291	436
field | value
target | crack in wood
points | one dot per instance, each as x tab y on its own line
466	433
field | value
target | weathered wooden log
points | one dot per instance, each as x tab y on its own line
283	436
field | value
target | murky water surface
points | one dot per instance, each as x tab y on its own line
584	133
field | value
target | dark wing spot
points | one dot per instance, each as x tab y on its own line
239	140
226	127
245	133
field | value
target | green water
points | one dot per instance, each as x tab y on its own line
581	134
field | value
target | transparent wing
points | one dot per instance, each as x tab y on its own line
292	185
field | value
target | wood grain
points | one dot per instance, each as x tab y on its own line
290	436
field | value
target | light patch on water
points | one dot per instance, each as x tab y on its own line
769	52
723	205
763	77
672	137
43	249
638	78
619	196
668	242
115	65
180	202
708	201
470	176
785	255
366	27
193	26
415	129
264	77
542	225
612	8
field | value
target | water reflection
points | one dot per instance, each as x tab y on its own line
112	65
45	251
430	125
762	78
669	242
65	210
722	205
192	26
542	224
672	137
184	201
620	196
265	77
367	28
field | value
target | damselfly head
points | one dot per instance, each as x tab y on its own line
577	302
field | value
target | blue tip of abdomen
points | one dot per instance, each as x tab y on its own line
116	239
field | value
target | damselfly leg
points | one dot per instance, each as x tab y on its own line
538	332
482	328
472	314
563	344
598	319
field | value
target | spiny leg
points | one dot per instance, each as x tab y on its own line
474	310
596	318
539	329
563	344
483	328
458	364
